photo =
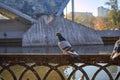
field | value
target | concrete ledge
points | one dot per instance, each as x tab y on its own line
109	33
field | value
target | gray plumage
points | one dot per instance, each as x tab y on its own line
116	50
66	47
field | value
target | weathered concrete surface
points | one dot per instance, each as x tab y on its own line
33	7
43	30
109	33
12	29
42	33
14	13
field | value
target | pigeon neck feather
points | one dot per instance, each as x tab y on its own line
61	38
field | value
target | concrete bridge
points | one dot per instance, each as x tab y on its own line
33	8
24	29
32	31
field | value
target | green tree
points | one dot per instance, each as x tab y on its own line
82	19
114	13
91	22
97	23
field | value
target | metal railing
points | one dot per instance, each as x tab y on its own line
16	67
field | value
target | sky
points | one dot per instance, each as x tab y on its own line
86	6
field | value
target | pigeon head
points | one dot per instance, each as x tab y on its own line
60	37
58	34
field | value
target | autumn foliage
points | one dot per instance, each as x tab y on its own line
97	23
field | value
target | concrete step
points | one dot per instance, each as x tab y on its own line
10	42
109	40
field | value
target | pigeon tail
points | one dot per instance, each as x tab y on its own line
74	55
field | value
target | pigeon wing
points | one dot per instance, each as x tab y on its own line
66	46
63	45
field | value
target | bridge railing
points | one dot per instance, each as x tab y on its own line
53	67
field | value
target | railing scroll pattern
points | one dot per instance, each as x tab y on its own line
54	63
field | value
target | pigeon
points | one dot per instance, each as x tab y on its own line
116	50
66	47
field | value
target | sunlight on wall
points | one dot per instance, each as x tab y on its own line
3	17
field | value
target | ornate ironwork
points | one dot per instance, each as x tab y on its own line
54	63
